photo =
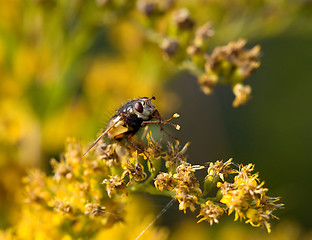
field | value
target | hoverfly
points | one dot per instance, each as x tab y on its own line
129	118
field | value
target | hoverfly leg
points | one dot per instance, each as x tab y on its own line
168	134
161	122
120	143
141	151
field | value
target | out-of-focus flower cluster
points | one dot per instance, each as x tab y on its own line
231	64
88	193
188	44
84	197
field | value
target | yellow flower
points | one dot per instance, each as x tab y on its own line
187	187
135	172
164	181
114	184
242	94
210	212
258	217
154	147
94	209
220	169
63	206
236	201
61	169
186	201
36	189
175	156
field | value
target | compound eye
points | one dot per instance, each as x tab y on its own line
138	106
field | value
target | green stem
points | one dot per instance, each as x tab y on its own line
150	189
149	33
191	67
217	198
156	164
210	183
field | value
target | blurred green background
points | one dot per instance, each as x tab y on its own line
66	65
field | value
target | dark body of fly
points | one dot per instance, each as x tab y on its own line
130	122
129	119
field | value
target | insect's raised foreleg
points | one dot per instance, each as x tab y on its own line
162	122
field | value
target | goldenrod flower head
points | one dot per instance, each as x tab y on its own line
242	94
216	171
236	56
203	33
247	198
210	212
258	217
269	203
186	201
187	187
170	47
207	82
185	176
220	169
108	153
115	185
182	19
61	169
94	210
164	181
244	172
36	187
154	147
63	206
237	201
135	171
175	156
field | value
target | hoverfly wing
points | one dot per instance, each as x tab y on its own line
99	138
95	142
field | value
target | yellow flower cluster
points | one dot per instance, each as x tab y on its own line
230	64
210	212
75	193
88	193
247	198
187	187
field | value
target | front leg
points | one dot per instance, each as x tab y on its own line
162	122
118	141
